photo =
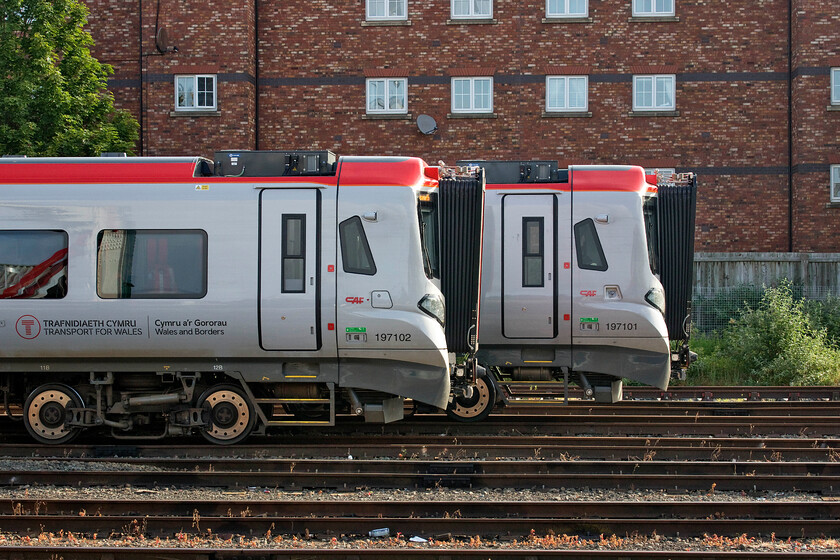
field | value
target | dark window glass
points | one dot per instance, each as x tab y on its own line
652	232
294	253
151	264
355	251
590	255
33	264
429	235
532	253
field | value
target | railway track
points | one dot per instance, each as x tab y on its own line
447	520
350	474
751	449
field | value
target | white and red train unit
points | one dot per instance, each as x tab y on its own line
162	296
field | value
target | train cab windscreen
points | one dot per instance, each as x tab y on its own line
427	208
652	232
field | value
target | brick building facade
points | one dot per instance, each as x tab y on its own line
746	93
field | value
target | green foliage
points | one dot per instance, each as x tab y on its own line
53	100
826	315
777	343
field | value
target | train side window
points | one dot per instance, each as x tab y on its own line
33	264
151	264
590	254
355	251
533	255
294	253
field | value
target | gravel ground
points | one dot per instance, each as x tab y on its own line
432	494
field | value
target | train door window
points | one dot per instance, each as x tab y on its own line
590	254
151	264
355	251
294	253
33	264
533	256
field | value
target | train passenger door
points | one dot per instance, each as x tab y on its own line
289	282
529	271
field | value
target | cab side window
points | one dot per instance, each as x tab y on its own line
33	264
355	251
590	254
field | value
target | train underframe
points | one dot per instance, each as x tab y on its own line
222	406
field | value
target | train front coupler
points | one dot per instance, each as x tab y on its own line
462	377
680	360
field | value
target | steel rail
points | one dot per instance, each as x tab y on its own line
244	505
323	527
661	475
680	449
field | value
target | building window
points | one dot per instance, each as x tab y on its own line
386	9
566	8
151	264
387	95
835	183
835	86
472	95
195	93
566	93
653	8
33	265
472	9
654	93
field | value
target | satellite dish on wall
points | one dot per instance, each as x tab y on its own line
426	124
162	41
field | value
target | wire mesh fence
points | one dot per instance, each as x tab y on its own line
712	309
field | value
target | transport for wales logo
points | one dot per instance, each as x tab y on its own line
28	327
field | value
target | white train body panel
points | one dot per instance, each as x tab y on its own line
549	299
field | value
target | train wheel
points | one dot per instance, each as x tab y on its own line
478	406
45	413
229	414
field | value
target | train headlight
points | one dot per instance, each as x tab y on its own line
656	297
432	304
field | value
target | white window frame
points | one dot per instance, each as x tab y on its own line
655	11
388	83
388	6
834	178
564	11
654	80
472	105
195	82
472	13
564	80
835	86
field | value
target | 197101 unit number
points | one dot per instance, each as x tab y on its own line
622	326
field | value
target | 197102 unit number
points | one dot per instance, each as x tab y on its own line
622	326
393	337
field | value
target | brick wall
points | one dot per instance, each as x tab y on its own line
305	88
